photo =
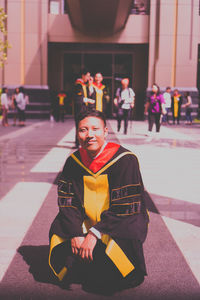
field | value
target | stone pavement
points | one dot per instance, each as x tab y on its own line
30	159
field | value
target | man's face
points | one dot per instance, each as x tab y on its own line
125	83
86	77
91	134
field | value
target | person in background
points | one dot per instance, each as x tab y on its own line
91	93
167	105
101	94
188	109
154	108
61	105
21	106
14	106
5	106
102	223
124	102
177	101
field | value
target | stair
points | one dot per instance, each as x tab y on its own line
39	106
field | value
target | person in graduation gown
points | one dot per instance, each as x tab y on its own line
100	94
102	220
176	103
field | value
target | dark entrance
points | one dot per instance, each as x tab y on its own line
113	67
113	61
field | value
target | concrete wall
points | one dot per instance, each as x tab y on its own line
173	43
171	30
27	33
135	31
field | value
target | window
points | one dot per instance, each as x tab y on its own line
54	7
140	7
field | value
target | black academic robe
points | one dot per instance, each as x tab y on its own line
80	92
101	97
110	200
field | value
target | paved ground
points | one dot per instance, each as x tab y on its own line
30	159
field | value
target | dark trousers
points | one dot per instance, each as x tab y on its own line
21	114
101	272
123	114
61	113
154	118
188	114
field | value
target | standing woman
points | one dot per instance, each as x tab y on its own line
177	101
21	106
154	108
5	106
14	106
188	108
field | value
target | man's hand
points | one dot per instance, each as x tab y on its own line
76	243
87	246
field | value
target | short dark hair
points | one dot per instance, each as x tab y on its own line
4	89
21	89
91	113
84	71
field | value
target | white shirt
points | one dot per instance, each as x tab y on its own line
167	98
126	96
4	100
21	101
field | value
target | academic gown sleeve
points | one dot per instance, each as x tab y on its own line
68	222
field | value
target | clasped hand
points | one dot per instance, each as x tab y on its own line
84	246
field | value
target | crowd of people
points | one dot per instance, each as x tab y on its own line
16	103
91	93
158	106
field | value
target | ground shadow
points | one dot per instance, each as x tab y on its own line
37	258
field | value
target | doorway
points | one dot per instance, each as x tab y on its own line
113	66
114	61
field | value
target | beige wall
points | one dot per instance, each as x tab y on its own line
172	31
173	43
27	33
135	32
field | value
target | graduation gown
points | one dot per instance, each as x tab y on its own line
100	96
80	92
107	194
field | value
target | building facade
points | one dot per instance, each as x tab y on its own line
146	40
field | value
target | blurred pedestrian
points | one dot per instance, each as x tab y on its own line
188	108
177	101
154	108
91	93
61	105
167	105
5	106
124	102
21	106
14	106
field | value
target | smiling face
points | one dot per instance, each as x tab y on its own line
91	134
98	78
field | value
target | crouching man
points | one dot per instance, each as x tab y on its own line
102	220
